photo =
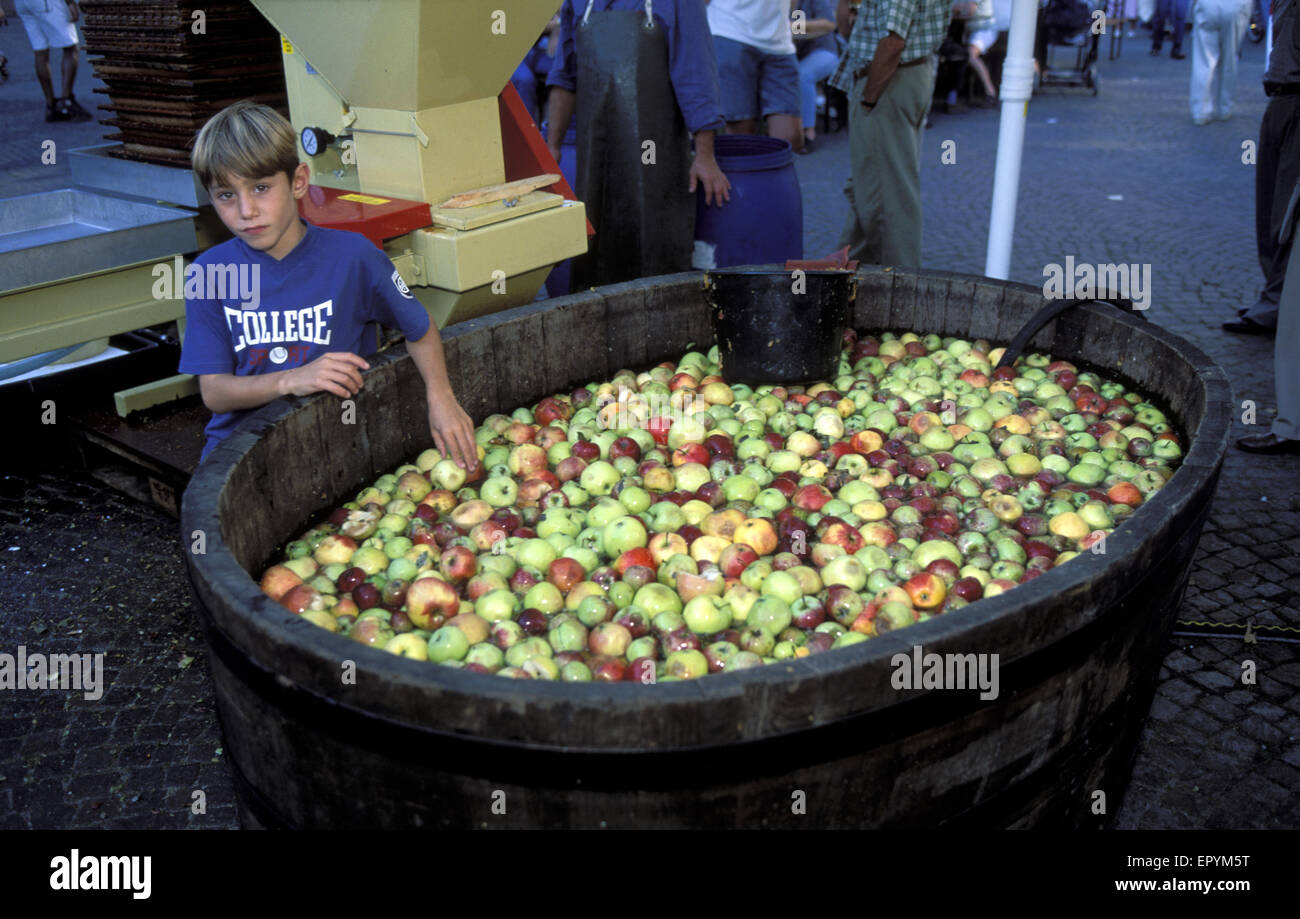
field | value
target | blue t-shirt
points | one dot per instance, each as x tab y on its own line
317	299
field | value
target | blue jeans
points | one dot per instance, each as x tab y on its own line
1176	12
814	68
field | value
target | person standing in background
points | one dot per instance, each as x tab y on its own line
1277	171
637	72
757	67
1218	28
888	75
1175	12
819	51
52	24
981	33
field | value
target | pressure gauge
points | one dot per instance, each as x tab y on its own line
315	139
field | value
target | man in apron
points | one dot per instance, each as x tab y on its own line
644	79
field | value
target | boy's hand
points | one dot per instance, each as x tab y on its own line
452	429
338	372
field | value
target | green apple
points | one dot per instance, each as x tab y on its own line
780	461
543	596
740	488
599	478
447	644
558	520
487	655
695	510
536	553
666	517
856	491
873	557
561	541
502	564
771	500
496	605
771	614
690	476
577	495
935	549
755	574
623	534
499	491
845	570
704	617
604	511
655	598
783	585
635	498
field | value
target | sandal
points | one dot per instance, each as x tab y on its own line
54	112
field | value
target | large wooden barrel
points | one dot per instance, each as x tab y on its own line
822	741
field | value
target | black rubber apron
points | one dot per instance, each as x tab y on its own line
636	197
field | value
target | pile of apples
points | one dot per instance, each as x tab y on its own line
666	525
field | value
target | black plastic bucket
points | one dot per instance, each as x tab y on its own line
776	326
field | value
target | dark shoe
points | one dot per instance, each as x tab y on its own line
1155	52
1267	443
1177	55
54	112
72	111
1246	326
808	146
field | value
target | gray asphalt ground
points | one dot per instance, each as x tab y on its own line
1122	177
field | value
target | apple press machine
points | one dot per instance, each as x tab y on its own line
401	115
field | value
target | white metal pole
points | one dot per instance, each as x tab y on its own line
1017	87
1268	31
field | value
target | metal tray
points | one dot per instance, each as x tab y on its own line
59	234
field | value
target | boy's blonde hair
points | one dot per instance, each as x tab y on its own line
245	140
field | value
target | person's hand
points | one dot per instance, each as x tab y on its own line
338	372
705	172
74	11
452	429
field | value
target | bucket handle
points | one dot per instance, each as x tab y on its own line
1049	312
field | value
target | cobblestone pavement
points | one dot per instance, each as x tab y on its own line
1121	177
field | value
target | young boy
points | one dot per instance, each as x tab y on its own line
293	323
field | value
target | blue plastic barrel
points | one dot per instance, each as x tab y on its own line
763	221
557	282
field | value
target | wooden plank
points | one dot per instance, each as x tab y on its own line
147	395
519	352
627	327
875	296
472	367
985	308
959	306
902	308
931	302
499	192
575	334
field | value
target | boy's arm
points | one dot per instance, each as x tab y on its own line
338	372
452	429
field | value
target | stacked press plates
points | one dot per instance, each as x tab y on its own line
169	65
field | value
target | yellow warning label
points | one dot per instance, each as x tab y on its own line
363	199
286	44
